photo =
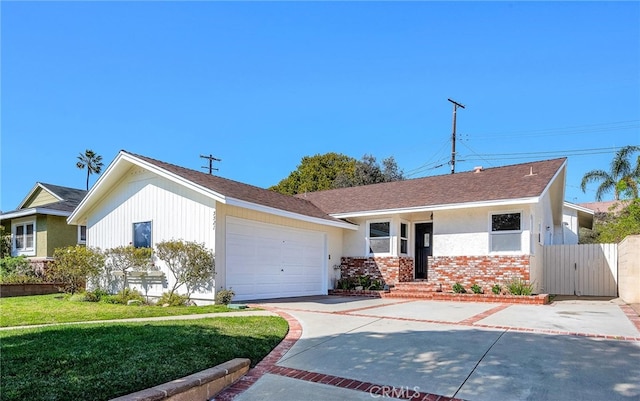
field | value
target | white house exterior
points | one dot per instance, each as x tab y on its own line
473	227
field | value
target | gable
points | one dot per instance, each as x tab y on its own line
39	197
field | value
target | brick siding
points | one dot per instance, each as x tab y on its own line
443	271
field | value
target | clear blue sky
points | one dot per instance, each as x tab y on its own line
262	84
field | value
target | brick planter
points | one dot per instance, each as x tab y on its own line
541	299
21	290
358	293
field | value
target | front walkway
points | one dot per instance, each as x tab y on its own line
358	349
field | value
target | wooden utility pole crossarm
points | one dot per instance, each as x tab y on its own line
211	160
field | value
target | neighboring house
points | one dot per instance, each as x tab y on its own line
483	226
39	224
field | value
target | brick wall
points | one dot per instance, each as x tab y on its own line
482	270
443	271
390	269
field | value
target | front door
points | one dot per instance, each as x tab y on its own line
423	243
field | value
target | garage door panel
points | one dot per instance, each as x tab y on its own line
269	261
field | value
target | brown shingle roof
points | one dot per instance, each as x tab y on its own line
240	191
491	184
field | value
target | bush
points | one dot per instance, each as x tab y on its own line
519	287
224	297
123	297
496	289
458	288
477	289
74	265
173	299
17	270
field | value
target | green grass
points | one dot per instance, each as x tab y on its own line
47	309
104	360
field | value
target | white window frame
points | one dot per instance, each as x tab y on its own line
80	240
494	234
27	251
407	238
390	237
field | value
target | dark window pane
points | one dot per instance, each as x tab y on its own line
403	246
379	229
505	222
403	230
83	233
142	235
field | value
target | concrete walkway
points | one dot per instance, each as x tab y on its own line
359	349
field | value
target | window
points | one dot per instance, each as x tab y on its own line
380	237
24	238
142	235
82	234
404	238
506	231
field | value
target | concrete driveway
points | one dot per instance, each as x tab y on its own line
363	349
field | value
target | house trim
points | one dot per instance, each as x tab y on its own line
33	211
449	206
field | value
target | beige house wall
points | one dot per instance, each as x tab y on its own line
629	269
40	198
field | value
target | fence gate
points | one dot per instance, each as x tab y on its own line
589	269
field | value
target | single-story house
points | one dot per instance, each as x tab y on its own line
39	223
483	226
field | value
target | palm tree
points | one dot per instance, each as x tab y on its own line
621	179
91	161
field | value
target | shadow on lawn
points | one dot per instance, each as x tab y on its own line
99	362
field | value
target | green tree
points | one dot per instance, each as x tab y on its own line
334	170
5	242
191	263
368	171
614	227
73	266
316	173
91	161
123	259
621	179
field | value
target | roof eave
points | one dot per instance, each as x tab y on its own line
292	215
31	211
431	208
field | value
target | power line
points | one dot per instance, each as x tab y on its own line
574	130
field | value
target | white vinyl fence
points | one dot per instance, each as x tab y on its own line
589	269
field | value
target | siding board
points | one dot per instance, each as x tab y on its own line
586	269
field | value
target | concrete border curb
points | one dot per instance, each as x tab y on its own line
200	386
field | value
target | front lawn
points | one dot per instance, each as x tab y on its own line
46	309
104	360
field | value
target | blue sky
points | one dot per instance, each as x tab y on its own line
262	84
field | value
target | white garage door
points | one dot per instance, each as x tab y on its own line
269	261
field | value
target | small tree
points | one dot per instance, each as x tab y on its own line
191	263
74	265
121	258
5	242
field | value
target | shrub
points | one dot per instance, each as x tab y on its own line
458	288
496	289
190	263
519	287
17	270
224	297
74	265
123	297
173	299
477	289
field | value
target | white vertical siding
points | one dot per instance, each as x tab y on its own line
175	212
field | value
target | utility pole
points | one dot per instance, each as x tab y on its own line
211	159
453	135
